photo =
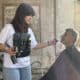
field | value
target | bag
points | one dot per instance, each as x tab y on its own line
22	44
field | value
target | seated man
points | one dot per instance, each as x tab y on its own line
67	65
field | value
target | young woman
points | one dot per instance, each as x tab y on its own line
20	24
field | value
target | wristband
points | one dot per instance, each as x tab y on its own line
48	43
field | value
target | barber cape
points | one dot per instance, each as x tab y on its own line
66	66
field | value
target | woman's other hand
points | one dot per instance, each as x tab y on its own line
51	42
10	51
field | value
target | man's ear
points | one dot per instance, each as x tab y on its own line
72	39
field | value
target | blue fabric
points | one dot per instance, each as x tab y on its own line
17	73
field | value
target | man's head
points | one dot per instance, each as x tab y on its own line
69	37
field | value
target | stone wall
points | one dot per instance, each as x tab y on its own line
64	15
1	13
47	30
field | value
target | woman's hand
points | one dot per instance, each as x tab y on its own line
51	42
10	51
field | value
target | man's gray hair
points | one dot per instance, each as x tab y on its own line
73	33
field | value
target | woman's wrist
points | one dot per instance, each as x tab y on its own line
2	48
6	49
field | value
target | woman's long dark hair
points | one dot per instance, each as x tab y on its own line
18	21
